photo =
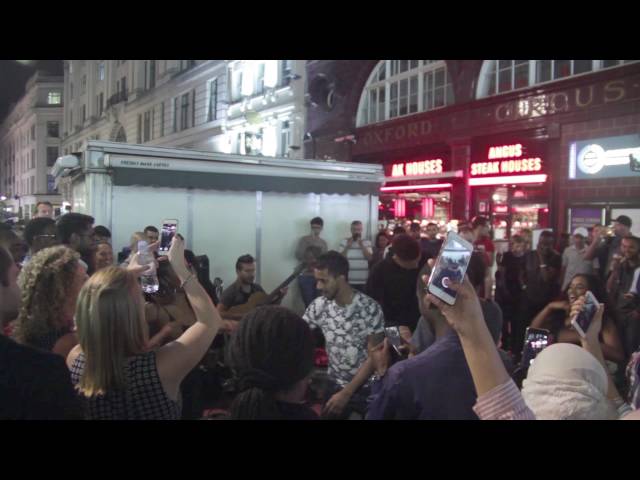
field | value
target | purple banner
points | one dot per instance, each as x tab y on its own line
585	217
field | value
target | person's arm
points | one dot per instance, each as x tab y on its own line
541	320
485	364
302	245
594	247
65	344
367	251
611	344
171	330
176	359
612	282
336	404
345	245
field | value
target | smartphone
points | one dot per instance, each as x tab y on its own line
535	340
451	266
393	334
583	319
169	228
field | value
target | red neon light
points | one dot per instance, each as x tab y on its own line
400	207
512	180
522	165
412	169
427	208
501	209
416	187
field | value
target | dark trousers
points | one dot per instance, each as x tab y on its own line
308	289
357	403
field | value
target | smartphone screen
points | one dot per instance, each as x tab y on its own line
169	228
535	340
393	334
582	321
451	266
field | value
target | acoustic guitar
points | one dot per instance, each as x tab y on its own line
258	299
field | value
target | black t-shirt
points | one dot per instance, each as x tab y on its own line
540	291
35	385
430	248
513	273
233	295
394	288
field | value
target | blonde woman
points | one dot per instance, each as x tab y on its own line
50	284
116	373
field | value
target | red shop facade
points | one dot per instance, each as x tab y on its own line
557	155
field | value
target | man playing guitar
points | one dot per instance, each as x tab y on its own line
240	292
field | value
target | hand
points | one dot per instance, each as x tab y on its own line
349	242
629	296
137	269
466	314
337	403
283	291
593	332
380	357
176	258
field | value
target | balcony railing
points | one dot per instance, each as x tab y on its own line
117	98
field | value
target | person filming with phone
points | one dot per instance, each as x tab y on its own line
359	252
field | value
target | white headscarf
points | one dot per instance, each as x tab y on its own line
566	382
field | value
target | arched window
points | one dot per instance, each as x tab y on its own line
500	76
404	87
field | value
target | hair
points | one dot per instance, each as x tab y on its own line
405	247
36	227
547	234
632	238
415	227
399	231
72	223
102	231
317	221
44	283
244	259
356	222
271	351
335	263
166	284
110	321
518	239
594	284
380	234
6	260
479	221
431	224
150	228
44	203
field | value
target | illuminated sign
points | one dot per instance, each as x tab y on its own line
415	169
603	157
513	163
434	186
501	209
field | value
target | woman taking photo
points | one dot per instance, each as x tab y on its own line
50	284
117	376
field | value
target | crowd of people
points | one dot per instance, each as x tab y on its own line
81	340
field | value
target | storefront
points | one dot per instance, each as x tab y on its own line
419	188
609	163
509	184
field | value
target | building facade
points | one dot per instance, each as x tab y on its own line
252	107
528	143
29	146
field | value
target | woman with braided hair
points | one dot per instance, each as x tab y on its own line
272	352
50	284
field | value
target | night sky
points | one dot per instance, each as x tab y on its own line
14	76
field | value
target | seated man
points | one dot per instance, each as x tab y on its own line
435	384
347	318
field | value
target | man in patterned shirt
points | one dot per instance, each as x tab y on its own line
347	319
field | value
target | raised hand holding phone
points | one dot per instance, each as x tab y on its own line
583	313
450	267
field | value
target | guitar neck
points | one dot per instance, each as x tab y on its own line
274	294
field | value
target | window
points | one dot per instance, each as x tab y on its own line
236	85
287	69
162	119
71	125
147	126
33	133
253	143
259	78
212	100
71	90
100	101
52	155
175	114
123	84
404	87
101	71
33	158
184	112
139	128
285	139
54	98
193	107
84	113
500	76
53	129
84	84
32	188
51	184
152	73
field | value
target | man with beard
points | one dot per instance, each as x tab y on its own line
75	230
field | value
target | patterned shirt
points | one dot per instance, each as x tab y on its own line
346	330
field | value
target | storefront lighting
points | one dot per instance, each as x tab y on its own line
513	180
434	186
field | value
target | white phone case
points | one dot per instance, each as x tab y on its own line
435	290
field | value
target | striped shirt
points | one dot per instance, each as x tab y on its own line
358	263
503	402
